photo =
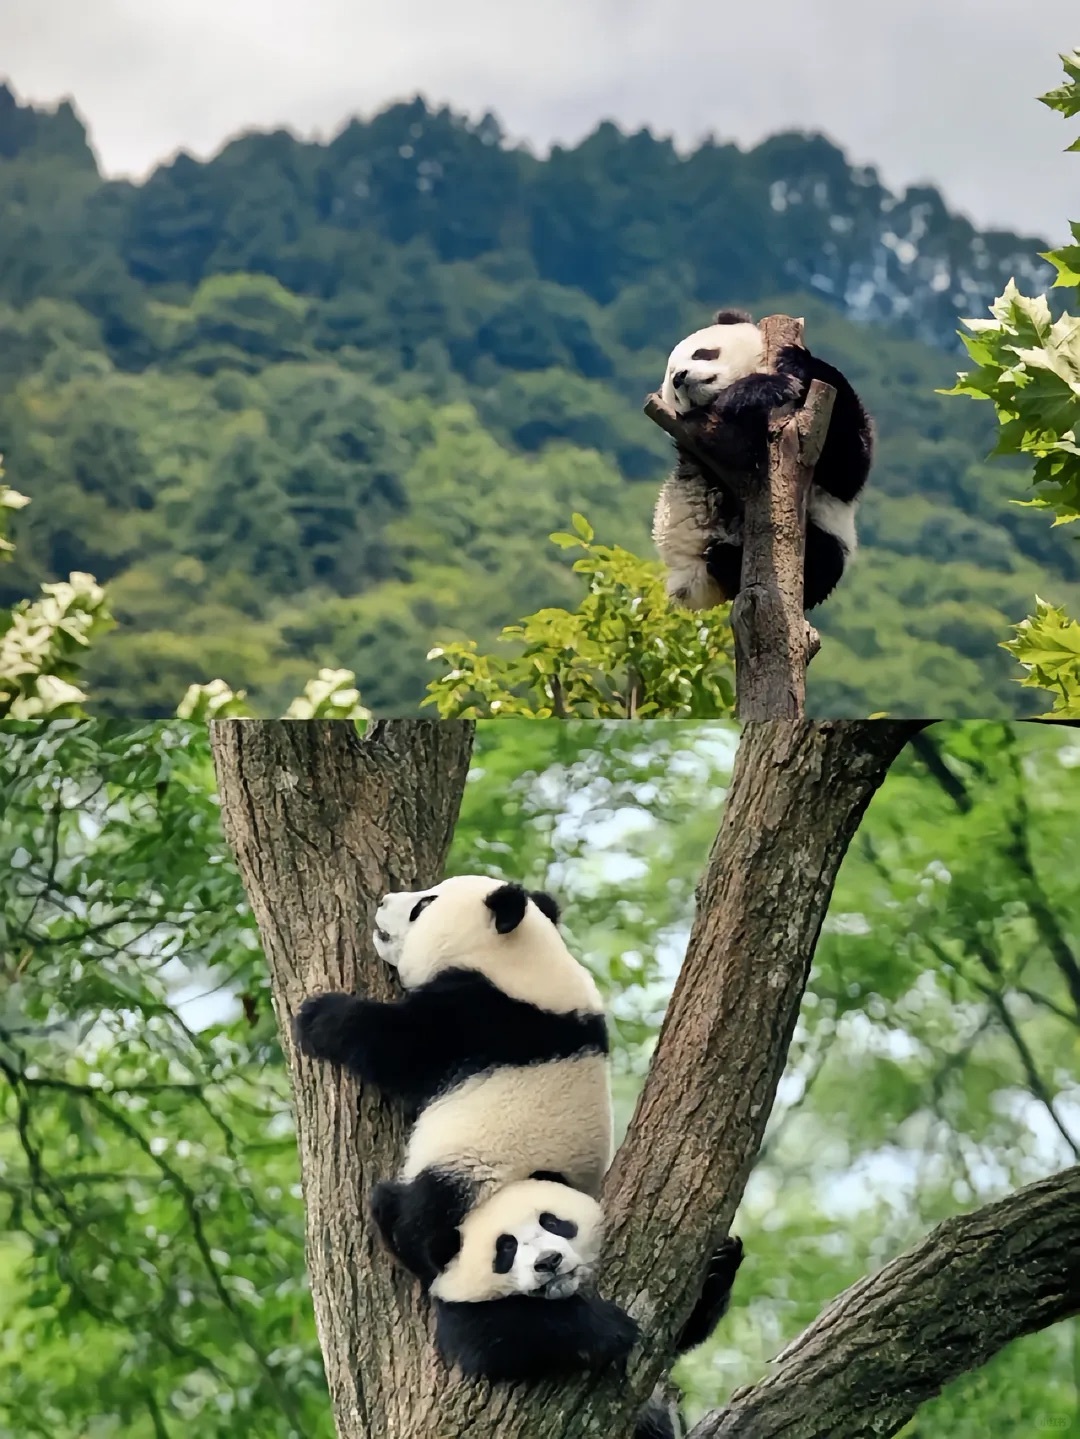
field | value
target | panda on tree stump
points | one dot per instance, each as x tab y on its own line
715	377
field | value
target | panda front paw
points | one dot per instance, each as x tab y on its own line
564	1285
793	363
324	1026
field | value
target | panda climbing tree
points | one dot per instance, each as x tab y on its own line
773	451
324	822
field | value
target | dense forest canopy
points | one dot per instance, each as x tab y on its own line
321	404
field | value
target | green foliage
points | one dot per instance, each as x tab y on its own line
624	653
43	647
43	641
330	695
151	1221
1047	645
9	500
1029	367
152	1233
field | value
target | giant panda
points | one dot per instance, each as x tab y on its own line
531	1241
540	1241
500	1043
715	375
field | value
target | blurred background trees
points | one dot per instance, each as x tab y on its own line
151	1246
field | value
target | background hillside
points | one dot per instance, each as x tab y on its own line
323	403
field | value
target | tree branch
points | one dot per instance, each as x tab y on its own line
896	1338
795	800
774	643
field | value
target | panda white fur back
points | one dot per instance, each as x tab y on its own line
714	376
500	1044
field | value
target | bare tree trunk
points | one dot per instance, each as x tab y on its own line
774	643
895	1339
322	823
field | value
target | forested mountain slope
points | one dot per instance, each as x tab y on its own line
309	404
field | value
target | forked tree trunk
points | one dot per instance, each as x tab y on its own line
322	822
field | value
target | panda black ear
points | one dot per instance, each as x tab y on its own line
508	904
732	317
546	904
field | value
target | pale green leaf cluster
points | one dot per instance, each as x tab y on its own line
1047	646
332	694
625	652
1028	366
9	500
42	645
42	640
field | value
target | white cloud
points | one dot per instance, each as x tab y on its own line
903	87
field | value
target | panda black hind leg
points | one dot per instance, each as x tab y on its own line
848	451
661	1417
715	1295
724	564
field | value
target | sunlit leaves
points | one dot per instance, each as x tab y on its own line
1029	367
1047	646
625	652
1066	98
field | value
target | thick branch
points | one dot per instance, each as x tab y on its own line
773	641
322	823
796	797
895	1339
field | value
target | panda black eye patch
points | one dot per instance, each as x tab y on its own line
505	1250
421	905
564	1228
705	355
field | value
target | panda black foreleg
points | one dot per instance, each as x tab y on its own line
661	1417
389	1045
419	1218
757	393
823	567
525	1338
846	456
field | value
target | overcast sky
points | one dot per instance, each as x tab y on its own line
900	85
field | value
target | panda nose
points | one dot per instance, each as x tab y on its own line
548	1263
678	379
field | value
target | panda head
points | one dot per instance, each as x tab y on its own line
709	360
534	1236
506	933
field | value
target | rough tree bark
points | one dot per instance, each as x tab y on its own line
322	822
896	1338
774	643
